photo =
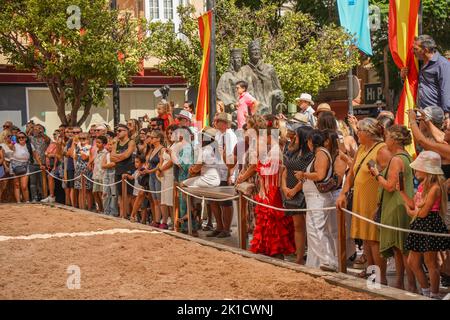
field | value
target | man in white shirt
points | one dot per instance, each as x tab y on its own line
304	106
226	141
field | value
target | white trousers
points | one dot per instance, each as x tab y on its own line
321	229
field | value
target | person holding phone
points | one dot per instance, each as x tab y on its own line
393	211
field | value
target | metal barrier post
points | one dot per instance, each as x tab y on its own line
176	206
242	219
342	241
82	203
44	184
123	203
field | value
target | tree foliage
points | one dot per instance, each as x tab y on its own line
305	55
77	64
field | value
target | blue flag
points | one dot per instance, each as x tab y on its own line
354	16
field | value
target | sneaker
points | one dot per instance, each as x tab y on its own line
34	201
49	199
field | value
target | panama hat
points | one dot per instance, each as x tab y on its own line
305	97
185	115
223	116
210	132
323	107
293	126
428	162
300	118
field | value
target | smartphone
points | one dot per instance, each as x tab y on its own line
400	180
371	164
14	139
141	119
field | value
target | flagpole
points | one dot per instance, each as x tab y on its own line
210	5
115	87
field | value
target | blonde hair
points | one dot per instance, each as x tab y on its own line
344	128
165	106
400	134
220	106
438	179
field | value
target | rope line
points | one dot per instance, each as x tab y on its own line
206	198
286	210
148	191
22	175
101	184
60	179
396	228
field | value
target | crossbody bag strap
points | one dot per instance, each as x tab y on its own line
362	161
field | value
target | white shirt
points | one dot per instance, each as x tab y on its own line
8	152
310	113
230	139
21	153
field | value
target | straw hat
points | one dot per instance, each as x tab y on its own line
323	107
300	118
210	132
428	162
223	116
305	97
293	126
185	115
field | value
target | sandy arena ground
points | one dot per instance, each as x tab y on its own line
149	265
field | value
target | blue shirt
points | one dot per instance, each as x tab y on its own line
434	83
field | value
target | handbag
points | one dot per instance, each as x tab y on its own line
246	188
331	183
144	180
350	192
20	170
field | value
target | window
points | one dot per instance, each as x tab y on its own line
153	6
168	9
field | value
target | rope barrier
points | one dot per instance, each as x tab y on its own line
22	175
101	184
60	179
286	210
396	228
148	191
205	198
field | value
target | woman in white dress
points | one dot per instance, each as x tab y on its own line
167	176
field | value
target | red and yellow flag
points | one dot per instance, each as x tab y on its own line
403	28
204	26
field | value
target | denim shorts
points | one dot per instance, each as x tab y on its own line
155	185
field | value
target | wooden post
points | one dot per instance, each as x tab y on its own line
123	199
176	206
83	192
242	219
44	184
188	212
342	241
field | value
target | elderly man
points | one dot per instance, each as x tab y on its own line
434	75
304	106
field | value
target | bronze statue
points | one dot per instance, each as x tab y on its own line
262	80
226	88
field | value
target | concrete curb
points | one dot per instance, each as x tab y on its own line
338	279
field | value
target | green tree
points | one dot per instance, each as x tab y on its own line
306	56
76	61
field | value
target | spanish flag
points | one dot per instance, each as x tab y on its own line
204	26
403	28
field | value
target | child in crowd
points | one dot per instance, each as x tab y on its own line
427	210
139	164
246	105
98	173
163	110
110	205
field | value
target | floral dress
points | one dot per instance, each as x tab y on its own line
81	167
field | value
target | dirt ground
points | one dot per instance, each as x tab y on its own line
148	265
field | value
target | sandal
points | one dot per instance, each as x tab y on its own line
360	263
208	227
154	224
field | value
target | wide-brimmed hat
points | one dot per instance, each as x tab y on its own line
210	132
293	126
100	127
185	115
300	118
435	115
324	107
428	162
223	116
305	97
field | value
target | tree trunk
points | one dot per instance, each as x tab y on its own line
387	96
86	112
58	98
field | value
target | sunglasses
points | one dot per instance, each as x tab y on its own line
6	127
21	138
120	130
76	132
82	139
